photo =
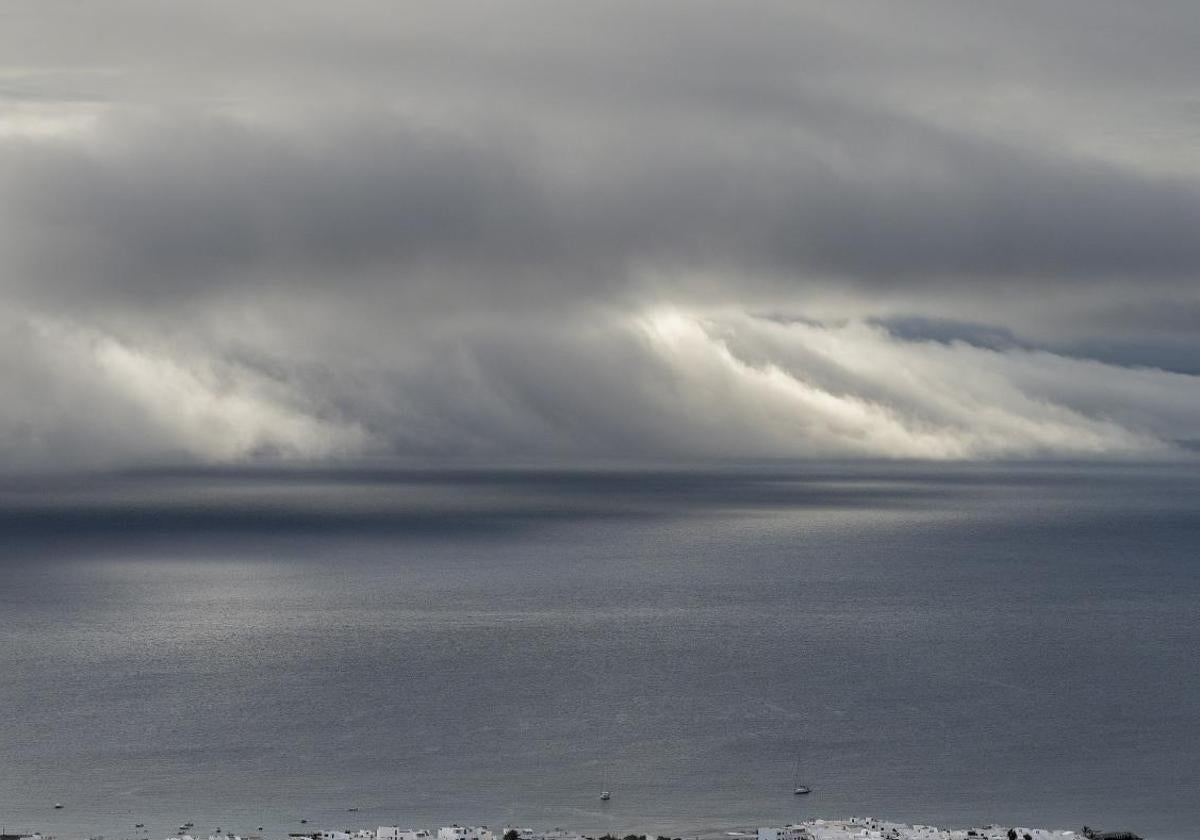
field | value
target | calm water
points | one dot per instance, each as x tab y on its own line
949	645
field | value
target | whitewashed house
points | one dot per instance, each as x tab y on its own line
465	832
395	832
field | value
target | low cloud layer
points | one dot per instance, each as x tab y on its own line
596	231
662	384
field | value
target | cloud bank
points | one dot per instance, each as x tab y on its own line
662	384
603	231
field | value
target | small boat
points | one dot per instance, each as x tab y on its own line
798	788
58	806
605	796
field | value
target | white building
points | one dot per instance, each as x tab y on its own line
465	832
395	832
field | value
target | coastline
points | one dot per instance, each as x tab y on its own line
849	828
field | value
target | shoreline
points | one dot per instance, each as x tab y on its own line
850	828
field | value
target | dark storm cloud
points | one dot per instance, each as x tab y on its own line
188	208
234	231
181	210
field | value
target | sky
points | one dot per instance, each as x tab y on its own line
634	231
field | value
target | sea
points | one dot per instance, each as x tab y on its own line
281	648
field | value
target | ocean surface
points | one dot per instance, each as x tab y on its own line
952	645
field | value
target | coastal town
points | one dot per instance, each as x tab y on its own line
853	828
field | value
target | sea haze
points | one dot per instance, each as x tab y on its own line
946	644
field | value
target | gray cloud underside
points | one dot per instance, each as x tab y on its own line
180	210
666	231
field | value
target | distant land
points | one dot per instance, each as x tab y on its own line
853	828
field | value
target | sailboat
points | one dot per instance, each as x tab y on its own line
798	788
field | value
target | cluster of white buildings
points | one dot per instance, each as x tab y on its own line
396	832
855	828
447	832
867	828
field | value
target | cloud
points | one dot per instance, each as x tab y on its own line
77	398
870	202
556	232
661	385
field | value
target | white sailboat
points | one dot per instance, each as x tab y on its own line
799	789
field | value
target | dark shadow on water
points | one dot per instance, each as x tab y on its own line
302	501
